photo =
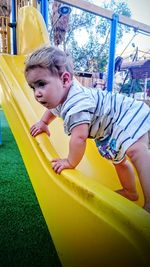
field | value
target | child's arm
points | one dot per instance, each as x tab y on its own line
77	146
42	125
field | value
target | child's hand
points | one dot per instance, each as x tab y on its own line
38	128
60	164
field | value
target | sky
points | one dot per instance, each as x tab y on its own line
140	10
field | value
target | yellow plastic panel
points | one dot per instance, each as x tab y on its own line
31	30
90	224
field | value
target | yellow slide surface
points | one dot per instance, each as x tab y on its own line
90	224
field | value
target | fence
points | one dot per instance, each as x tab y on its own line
22	3
4	35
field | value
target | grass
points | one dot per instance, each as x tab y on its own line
24	237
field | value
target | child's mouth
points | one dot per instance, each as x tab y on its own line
43	103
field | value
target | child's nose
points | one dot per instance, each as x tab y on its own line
37	93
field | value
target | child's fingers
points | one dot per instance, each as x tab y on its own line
57	167
60	164
34	132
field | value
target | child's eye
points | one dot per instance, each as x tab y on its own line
41	84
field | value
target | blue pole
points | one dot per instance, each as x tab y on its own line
112	48
44	10
13	25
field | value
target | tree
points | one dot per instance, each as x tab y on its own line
96	48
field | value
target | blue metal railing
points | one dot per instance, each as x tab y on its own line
112	48
13	26
44	10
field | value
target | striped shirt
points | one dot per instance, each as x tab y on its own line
115	121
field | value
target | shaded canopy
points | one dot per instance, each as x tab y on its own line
138	69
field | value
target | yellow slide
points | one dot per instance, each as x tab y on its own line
90	224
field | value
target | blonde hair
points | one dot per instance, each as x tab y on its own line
56	60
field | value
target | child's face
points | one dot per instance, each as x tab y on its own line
49	90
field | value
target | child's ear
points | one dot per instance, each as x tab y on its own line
66	77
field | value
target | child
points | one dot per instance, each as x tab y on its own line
118	124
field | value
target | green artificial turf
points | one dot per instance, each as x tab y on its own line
24	236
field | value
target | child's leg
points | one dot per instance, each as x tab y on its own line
126	176
140	157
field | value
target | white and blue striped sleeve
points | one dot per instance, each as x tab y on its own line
82	117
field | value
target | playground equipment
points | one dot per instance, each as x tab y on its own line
90	224
4	31
138	70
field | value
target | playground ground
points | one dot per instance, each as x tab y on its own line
25	240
